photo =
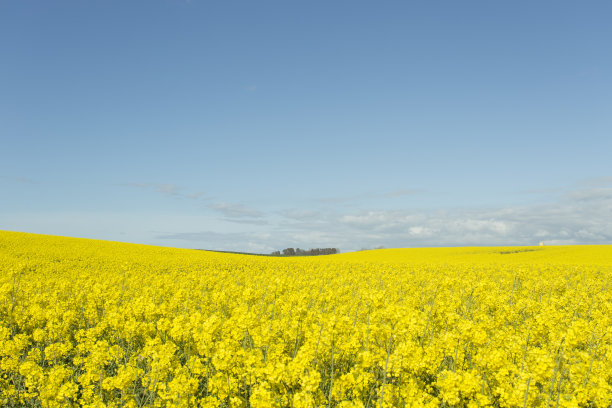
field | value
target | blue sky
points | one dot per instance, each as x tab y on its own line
266	124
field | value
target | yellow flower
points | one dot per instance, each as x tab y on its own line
103	324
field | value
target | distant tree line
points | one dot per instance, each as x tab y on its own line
305	252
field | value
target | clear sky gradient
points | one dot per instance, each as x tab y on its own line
260	125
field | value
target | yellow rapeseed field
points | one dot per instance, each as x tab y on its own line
104	324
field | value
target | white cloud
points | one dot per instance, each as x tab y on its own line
569	220
420	231
370	218
371	195
247	221
25	180
581	216
596	182
403	192
301	215
235	210
195	196
599	193
167	189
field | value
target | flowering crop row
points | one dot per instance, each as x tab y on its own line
104	324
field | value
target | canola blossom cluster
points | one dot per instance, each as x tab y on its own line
87	323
